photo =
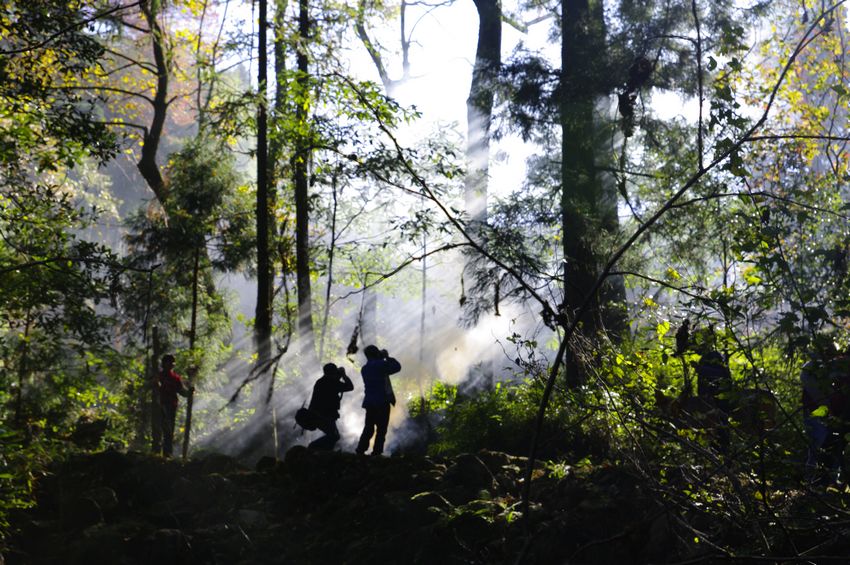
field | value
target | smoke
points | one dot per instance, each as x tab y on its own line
429	343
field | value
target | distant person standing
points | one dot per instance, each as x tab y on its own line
839	417
324	404
816	392
714	381
378	397
826	395
168	384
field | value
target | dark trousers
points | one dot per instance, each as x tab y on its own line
156	426
169	415
833	451
327	441
376	417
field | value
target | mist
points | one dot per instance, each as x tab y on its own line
447	352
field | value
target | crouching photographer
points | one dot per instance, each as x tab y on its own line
324	405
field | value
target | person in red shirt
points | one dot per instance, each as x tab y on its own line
168	384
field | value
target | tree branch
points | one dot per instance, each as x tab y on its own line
428	193
650	222
400	267
68	29
109	89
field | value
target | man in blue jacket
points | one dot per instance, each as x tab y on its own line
378	397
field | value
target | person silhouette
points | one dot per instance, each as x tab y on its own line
168	385
324	404
378	397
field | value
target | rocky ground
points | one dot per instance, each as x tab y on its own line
313	508
338	508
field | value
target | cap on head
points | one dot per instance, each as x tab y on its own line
372	352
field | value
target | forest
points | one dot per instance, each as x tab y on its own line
606	242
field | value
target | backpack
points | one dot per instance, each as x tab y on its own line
306	419
388	390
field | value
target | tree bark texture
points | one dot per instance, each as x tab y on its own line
301	163
147	164
369	320
587	206
263	314
479	107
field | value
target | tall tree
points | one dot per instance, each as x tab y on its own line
479	108
582	54
263	316
148	164
479	117
52	278
301	159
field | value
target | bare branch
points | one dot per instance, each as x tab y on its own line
109	89
63	259
122	124
455	222
400	267
141	64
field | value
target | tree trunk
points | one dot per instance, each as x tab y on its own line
580	186
369	321
23	371
147	165
479	116
330	281
300	166
587	205
479	108
156	410
193	333
263	316
423	338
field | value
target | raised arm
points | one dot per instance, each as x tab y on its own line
345	383
391	366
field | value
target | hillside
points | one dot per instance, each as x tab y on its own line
112	507
316	507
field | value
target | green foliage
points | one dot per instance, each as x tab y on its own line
21	462
502	419
43	49
207	215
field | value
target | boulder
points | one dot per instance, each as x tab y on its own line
105	497
169	547
79	513
470	472
265	464
404	512
89	432
252	519
218	463
299	461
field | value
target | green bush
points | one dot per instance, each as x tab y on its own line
503	419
